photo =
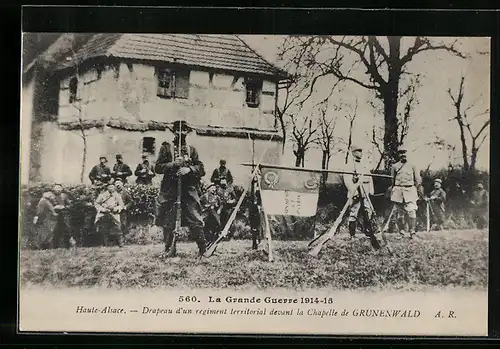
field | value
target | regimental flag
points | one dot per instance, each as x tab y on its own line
289	192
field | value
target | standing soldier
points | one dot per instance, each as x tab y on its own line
228	201
173	163
121	170
144	172
360	196
127	205
62	232
88	233
479	203
220	173
109	204
211	205
405	190
254	213
45	222
436	200
100	172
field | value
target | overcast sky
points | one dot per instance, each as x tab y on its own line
431	117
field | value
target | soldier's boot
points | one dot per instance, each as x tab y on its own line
120	240
402	227
255	235
200	240
168	238
412	222
352	229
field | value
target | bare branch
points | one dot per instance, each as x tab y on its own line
422	44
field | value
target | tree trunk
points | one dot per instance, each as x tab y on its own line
283	132
84	157
463	141
473	158
297	160
390	98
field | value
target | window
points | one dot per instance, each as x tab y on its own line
73	89
148	145
253	91
172	83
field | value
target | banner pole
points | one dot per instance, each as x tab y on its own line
268	230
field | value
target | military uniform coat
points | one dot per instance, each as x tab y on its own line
190	200
47	220
406	179
121	171
144	173
100	172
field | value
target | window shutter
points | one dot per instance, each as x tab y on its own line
164	79
182	84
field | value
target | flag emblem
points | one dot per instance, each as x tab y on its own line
271	178
289	192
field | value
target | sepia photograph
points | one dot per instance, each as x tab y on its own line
265	184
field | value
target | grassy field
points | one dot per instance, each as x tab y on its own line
436	259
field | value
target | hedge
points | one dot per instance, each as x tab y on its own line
457	183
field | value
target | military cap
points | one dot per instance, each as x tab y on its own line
438	180
118	181
356	147
402	149
103	157
119	156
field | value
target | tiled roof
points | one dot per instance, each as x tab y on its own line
227	52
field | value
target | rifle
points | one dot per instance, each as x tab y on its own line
211	248
373	239
178	224
427	208
316	244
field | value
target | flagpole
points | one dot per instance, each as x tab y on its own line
316	170
268	229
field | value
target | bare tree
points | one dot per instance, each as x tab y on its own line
351	117
326	126
76	102
463	119
286	103
321	56
303	135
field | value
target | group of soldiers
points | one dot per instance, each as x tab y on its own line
404	193
207	214
106	205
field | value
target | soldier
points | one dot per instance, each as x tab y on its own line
222	172
45	222
88	232
144	172
405	190
228	200
109	204
360	197
121	170
211	205
254	214
479	203
173	163
436	200
127	205
62	232
100	172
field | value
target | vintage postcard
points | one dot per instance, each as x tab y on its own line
254	184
